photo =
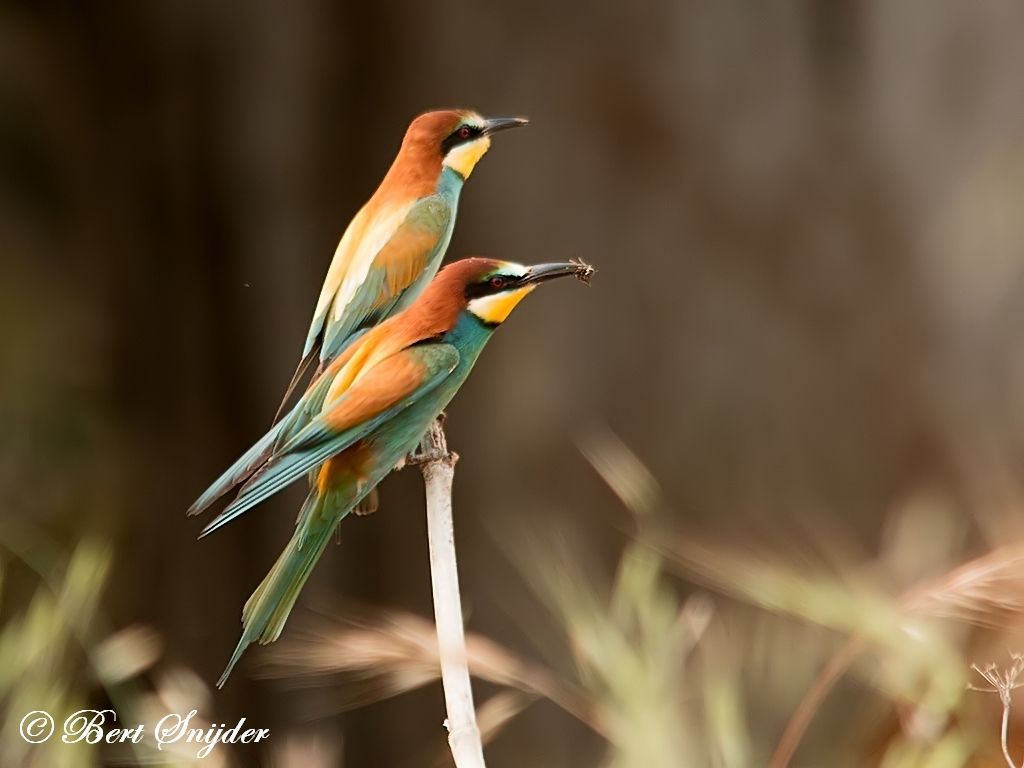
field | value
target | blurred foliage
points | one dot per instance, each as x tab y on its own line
631	655
55	657
41	658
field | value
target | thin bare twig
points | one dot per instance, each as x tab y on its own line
438	466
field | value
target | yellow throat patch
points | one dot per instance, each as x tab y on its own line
463	158
495	308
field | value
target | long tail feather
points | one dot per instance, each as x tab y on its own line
266	611
300	371
237	472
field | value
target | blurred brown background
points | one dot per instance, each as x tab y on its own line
806	217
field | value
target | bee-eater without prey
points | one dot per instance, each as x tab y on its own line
365	412
394	245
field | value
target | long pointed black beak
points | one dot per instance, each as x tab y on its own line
540	273
496	124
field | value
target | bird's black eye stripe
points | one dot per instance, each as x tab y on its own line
491	285
460	135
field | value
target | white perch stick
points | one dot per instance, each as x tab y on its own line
438	467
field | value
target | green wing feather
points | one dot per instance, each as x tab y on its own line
393	271
316	442
393	280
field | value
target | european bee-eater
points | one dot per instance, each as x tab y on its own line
393	247
364	413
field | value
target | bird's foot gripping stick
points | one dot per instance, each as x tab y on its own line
430	448
438	466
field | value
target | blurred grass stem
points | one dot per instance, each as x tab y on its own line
804	713
438	466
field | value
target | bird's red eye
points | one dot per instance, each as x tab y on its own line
497	282
464	132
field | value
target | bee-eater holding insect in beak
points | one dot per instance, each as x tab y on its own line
393	247
366	411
